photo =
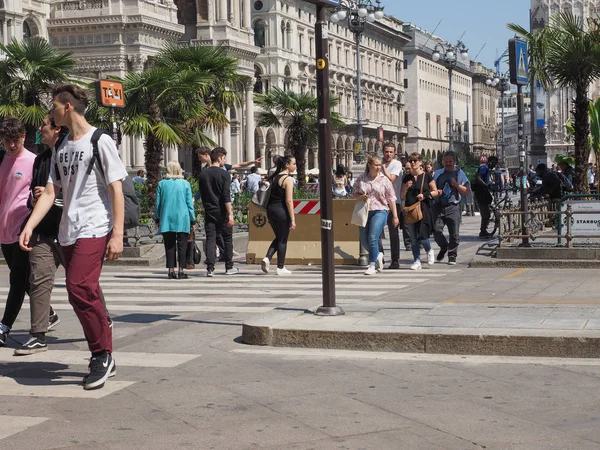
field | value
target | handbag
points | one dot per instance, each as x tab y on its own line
414	213
261	197
360	215
197	254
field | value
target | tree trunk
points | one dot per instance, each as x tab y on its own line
30	136
154	156
297	143
582	144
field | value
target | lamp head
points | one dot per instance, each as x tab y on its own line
435	56
362	12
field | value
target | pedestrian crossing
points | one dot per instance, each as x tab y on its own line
143	289
147	292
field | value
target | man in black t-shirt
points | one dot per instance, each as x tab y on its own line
214	183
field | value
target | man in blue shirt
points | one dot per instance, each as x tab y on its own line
452	184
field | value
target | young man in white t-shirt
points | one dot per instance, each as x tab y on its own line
392	168
91	226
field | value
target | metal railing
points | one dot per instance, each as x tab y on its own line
147	229
544	220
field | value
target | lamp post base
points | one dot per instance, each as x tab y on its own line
329	311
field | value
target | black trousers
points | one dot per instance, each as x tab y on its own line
280	223
18	263
214	226
176	249
483	203
447	216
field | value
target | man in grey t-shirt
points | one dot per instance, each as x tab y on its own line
253	180
452	184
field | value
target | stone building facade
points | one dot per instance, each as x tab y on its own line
427	114
553	108
284	33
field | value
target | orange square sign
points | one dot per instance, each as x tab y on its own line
110	93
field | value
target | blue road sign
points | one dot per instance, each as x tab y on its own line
518	62
332	3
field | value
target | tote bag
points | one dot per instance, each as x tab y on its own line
261	197
360	215
414	213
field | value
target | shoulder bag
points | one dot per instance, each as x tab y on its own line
360	215
414	213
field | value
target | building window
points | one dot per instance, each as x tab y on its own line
301	44
259	33
438	127
406	118
428	125
406	83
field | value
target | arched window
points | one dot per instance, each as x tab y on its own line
258	85
26	30
260	27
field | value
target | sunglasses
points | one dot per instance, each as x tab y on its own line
412	161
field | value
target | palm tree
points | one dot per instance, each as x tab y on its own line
31	68
566	53
298	114
222	93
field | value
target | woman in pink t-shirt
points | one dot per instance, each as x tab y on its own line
16	172
376	189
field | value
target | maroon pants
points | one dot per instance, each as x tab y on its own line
83	265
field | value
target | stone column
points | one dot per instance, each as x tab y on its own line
250	125
226	138
222	10
4	32
139	154
247	16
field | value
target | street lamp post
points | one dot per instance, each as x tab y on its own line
500	82
358	13
449	55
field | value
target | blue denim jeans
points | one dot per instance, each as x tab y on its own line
416	241
369	235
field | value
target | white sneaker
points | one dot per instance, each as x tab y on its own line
431	257
371	270
232	271
265	264
416	265
283	271
379	263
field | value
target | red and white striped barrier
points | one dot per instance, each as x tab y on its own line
307	207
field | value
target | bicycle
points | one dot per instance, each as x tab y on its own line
499	202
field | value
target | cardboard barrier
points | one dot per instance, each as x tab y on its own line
304	243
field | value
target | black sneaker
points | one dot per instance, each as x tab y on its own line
210	273
485	235
394	265
182	276
32	346
452	261
53	320
3	335
100	368
440	255
112	373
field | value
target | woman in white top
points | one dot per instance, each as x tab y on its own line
339	182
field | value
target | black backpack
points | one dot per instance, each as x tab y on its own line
132	203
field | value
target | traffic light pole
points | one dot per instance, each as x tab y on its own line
329	307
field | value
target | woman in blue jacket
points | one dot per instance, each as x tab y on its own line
175	217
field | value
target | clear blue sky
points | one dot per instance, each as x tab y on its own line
483	20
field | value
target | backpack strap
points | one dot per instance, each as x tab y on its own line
95	152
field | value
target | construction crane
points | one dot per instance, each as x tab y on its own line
499	60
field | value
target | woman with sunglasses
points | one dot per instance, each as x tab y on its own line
419	186
376	189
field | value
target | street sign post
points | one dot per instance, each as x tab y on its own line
519	75
109	93
329	307
518	62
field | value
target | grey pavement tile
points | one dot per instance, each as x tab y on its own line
562	443
564	324
593	324
449	321
352	416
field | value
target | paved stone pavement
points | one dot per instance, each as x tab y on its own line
185	380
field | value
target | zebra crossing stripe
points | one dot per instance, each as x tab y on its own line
10	425
68	387
76	357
